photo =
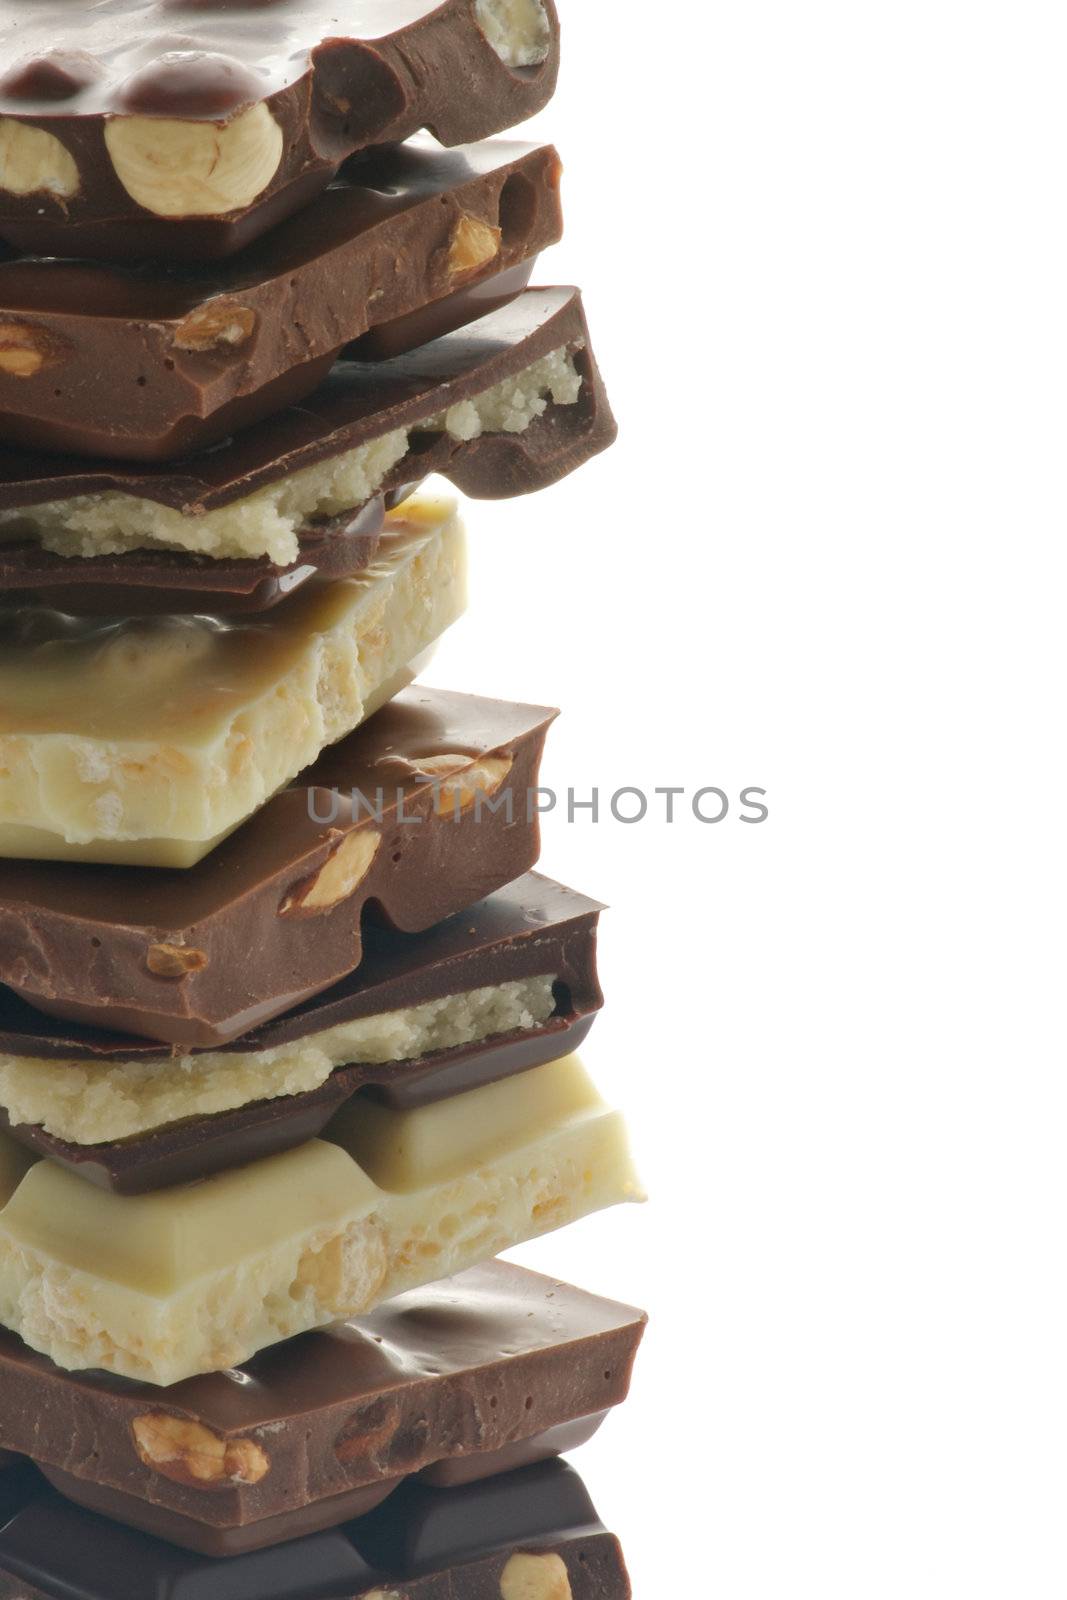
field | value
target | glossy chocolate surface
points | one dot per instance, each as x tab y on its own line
461	1369
79	941
437	1543
531	928
357	403
334	81
145	363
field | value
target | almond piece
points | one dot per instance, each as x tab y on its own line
217	326
24	349
174	960
473	245
339	878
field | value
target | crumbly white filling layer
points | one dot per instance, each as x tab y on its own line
518	30
268	522
94	1102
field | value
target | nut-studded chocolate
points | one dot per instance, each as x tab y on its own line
185	129
81	942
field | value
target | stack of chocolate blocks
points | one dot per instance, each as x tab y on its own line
287	1021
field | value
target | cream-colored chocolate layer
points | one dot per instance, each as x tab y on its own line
95	1102
194	1279
146	742
268	522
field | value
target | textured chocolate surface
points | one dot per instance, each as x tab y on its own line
462	1369
438	1544
147	364
533	927
358	402
333	80
80	941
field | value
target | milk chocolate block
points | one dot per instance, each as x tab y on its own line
199	1277
420	813
508	405
494	1360
184	129
147	742
507	985
532	1534
407	244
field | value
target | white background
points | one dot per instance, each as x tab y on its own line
824	253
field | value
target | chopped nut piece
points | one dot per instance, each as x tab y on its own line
24	350
215	326
342	875
474	243
535	1577
174	960
188	1452
518	30
33	161
462	779
188	169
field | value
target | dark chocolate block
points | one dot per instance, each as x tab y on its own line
435	1544
533	927
358	402
488	1365
132	364
164	954
256	106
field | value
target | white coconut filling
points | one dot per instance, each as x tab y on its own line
96	1102
268	522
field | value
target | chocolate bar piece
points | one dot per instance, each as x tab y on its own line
456	1372
161	954
184	129
412	242
507	985
201	1276
173	583
508	405
148	741
532	1534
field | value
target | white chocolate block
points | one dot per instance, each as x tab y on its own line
192	1279
147	742
268	522
94	1102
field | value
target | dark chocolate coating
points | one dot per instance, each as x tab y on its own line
533	927
76	939
358	402
173	583
335	79
438	1544
419	1529
135	368
461	1369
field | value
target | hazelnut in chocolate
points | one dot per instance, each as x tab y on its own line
185	129
136	363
